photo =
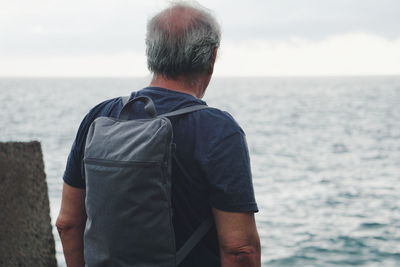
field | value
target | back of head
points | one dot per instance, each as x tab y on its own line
181	41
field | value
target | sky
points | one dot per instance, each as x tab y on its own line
259	37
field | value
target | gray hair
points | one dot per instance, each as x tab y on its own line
180	40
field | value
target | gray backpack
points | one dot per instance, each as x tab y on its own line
127	167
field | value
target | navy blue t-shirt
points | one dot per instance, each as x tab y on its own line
212	150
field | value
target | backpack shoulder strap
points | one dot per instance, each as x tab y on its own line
184	110
125	99
195	238
199	233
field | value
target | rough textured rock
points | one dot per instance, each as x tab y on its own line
25	229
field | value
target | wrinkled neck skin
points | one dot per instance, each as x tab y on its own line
195	87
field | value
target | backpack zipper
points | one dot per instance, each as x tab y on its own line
120	163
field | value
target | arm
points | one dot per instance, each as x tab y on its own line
238	239
71	224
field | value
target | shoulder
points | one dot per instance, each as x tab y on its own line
106	108
214	129
215	118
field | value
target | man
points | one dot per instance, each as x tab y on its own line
215	178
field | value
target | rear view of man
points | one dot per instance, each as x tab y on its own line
211	175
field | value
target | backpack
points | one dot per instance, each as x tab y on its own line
127	166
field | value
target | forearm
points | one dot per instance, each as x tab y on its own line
72	242
241	257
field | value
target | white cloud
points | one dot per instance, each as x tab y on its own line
102	65
100	37
39	30
348	54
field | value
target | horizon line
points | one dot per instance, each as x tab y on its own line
214	77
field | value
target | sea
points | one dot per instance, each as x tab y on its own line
325	155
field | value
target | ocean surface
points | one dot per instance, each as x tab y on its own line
325	156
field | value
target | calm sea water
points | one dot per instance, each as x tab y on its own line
325	155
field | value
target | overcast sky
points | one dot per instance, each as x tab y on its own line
260	37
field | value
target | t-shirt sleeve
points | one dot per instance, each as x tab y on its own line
228	174
73	174
73	171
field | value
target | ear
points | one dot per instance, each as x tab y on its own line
213	59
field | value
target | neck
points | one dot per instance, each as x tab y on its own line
182	85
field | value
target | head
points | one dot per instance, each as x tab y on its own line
182	42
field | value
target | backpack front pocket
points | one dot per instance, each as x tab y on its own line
120	196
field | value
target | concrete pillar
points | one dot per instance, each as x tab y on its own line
25	227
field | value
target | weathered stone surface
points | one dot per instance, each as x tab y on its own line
25	229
